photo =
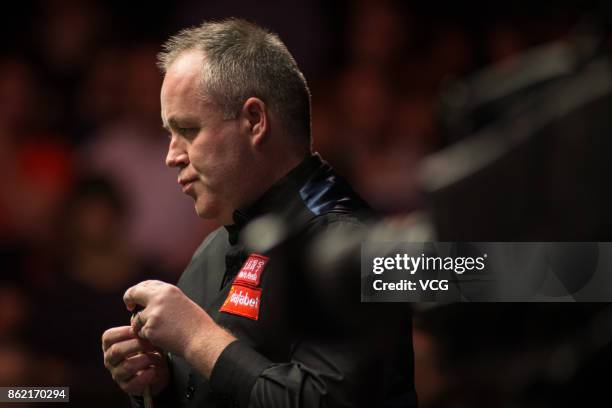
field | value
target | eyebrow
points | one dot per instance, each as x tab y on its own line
173	123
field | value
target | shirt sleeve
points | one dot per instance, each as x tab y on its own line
313	376
331	373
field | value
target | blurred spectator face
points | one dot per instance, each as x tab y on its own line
16	94
45	175
94	213
15	364
95	221
365	100
13	310
95	252
378	32
211	154
142	84
100	96
69	31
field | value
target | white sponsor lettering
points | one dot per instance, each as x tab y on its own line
249	276
242	298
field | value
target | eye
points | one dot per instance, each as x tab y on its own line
187	132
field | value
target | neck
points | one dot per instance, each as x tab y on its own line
269	171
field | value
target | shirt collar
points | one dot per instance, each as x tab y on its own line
274	200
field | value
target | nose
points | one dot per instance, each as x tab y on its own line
177	154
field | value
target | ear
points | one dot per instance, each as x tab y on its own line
255	120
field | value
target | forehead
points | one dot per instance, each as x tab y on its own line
180	93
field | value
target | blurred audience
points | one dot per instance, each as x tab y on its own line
93	265
131	151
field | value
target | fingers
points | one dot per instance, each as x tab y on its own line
132	365
116	334
140	294
137	322
118	352
142	379
133	362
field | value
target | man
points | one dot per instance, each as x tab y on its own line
241	328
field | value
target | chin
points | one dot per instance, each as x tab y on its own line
203	213
210	207
206	210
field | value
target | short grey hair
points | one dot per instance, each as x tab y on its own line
245	60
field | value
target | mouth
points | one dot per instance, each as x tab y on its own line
187	187
187	184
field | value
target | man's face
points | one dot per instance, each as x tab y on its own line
210	153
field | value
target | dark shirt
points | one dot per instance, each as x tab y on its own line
304	347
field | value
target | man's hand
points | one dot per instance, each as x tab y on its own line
174	323
133	362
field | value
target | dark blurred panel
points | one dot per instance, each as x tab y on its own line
532	150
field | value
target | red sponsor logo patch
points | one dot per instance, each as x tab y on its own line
250	273
242	301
